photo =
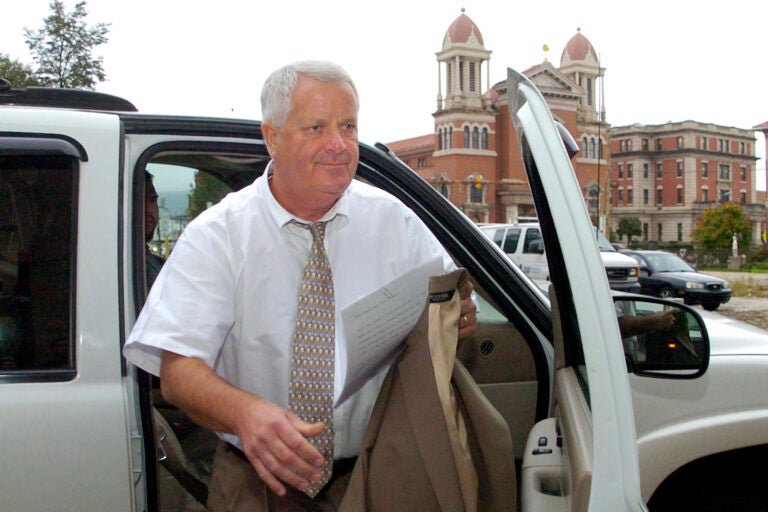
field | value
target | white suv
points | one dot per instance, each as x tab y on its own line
523	243
596	428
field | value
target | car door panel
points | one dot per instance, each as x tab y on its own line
500	361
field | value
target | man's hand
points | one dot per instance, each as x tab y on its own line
274	440
468	315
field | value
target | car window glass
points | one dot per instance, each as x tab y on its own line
511	240
532	235
37	259
497	235
182	194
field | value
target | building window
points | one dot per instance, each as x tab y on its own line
679	143
743	173
645	231
475	138
621	197
472	77
621	146
448	77
679	168
659	232
679	195
705	195
743	148
723	145
589	91
679	232
743	198
585	147
621	171
629	171
444	190
440	139
704	143
630	196
591	148
461	76
645	144
422	162
600	148
450	138
659	196
725	172
466	137
725	196
659	170
645	196
659	145
476	189
645	170
484	139
704	169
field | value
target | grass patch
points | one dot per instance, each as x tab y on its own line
748	287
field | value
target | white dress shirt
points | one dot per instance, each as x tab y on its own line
228	292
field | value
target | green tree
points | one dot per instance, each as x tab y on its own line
63	48
208	190
718	225
18	74
629	226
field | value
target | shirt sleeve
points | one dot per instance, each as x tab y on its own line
190	308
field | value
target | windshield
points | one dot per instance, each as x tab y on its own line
603	243
664	262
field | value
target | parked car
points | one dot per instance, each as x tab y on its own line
80	419
522	242
669	276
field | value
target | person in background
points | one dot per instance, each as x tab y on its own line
225	357
154	262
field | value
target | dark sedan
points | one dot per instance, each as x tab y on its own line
666	275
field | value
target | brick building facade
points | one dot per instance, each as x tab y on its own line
667	175
472	156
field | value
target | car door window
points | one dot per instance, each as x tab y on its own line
37	258
532	241
511	240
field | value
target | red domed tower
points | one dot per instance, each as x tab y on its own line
581	64
465	121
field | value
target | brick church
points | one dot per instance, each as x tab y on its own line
472	156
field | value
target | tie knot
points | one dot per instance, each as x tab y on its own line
317	229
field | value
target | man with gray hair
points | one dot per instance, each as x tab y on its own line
231	357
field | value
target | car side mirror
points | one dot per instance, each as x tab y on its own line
662	338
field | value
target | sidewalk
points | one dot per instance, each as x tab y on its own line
734	277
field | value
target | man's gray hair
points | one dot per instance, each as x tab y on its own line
278	89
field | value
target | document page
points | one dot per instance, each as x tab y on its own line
376	325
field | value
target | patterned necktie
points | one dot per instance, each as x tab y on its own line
312	364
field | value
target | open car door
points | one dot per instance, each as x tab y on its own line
584	456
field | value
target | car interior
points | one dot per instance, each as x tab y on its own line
498	356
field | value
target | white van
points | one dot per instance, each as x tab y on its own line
522	242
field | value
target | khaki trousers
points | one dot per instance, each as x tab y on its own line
235	487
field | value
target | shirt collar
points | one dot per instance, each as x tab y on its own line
336	217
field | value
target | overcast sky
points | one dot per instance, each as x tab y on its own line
669	60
